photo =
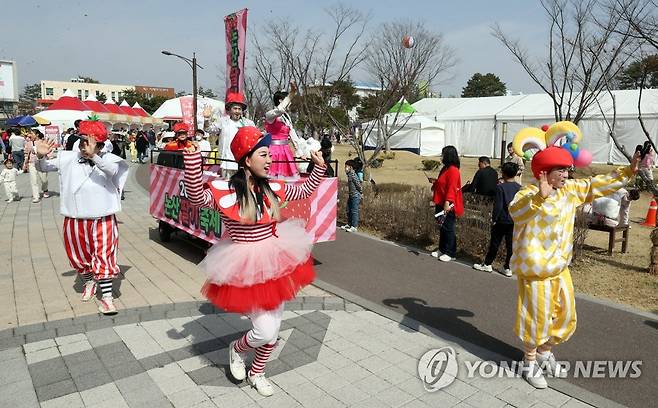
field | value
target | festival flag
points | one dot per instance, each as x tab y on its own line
236	39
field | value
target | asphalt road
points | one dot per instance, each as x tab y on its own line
480	308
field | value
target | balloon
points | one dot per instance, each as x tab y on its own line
563	129
408	41
528	138
584	158
528	155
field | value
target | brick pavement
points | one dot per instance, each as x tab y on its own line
167	347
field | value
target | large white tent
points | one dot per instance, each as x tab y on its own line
171	109
475	126
416	133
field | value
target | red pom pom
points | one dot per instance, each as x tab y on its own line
544	128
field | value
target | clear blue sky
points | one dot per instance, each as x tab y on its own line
119	41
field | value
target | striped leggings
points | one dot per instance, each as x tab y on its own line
92	245
546	312
261	338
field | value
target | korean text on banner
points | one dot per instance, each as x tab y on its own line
187	111
236	33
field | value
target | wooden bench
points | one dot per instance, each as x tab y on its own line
612	231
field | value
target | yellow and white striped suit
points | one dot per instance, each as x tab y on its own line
543	243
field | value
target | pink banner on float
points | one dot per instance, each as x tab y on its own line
187	111
236	39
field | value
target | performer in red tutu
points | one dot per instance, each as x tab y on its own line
264	263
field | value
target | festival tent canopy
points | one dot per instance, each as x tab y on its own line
415	133
402	106
139	110
113	107
66	110
171	109
537	110
475	125
68	102
95	106
433	107
127	109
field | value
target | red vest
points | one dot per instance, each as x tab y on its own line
227	200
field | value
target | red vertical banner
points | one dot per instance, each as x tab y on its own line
236	39
187	111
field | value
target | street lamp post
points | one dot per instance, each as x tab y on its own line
192	63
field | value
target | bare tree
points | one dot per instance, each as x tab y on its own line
638	17
586	47
313	59
399	71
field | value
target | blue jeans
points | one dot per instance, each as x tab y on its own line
18	156
353	210
447	237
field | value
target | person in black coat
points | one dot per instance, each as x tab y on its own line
141	144
485	179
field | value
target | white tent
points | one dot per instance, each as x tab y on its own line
434	107
475	126
537	110
65	111
415	133
171	109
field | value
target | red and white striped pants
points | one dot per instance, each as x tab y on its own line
92	245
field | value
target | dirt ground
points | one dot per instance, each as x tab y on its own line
621	277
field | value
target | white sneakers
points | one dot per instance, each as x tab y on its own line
236	363
261	384
442	257
487	268
89	291
106	306
549	365
239	372
532	373
348	228
482	267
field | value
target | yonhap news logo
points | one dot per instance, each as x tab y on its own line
438	368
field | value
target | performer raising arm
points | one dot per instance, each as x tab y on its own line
90	183
544	214
263	263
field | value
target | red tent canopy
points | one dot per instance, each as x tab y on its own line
139	110
127	109
112	107
69	102
94	105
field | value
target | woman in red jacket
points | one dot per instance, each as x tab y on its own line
448	198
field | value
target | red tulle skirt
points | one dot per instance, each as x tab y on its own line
261	296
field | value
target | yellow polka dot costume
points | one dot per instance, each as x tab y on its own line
543	234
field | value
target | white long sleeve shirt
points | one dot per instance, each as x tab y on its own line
87	191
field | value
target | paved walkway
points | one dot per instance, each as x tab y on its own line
167	347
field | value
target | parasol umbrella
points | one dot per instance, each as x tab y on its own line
41	121
22	121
